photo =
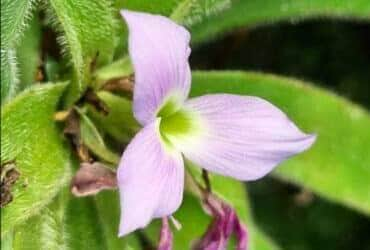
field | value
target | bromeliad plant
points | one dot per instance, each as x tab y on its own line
238	136
185	149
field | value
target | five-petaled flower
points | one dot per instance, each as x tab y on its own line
242	137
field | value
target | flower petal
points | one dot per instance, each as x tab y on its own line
159	50
244	137
150	180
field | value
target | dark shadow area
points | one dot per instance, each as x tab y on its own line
299	220
335	55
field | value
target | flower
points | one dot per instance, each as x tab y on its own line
242	137
224	224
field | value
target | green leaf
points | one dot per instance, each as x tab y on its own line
88	35
34	143
28	53
254	12
73	223
336	167
82	223
14	16
162	7
119	68
9	79
120	122
190	12
107	204
92	223
183	11
93	140
44	231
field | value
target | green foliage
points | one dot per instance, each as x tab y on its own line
72	223
119	123
191	12
88	38
28	53
9	79
254	12
93	140
14	16
44	231
121	67
337	165
32	141
185	12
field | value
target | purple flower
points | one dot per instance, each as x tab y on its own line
165	239
242	137
224	224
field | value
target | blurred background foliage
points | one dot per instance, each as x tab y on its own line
326	44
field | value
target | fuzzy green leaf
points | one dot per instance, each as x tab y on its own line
32	141
28	53
72	223
337	166
254	12
9	79
14	17
87	29
44	231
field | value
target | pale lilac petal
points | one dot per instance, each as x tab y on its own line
159	50
243	137
150	180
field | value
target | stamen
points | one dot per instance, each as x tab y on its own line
176	223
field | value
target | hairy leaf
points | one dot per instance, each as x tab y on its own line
28	53
32	142
337	166
44	231
14	17
87	29
9	74
254	12
73	223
